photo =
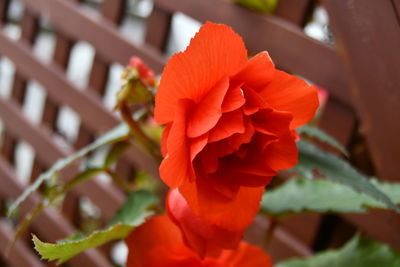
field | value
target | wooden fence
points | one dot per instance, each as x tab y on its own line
361	73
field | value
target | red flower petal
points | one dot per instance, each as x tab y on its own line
229	213
289	93
272	122
229	124
158	231
253	101
209	159
234	98
282	154
200	235
236	140
159	242
215	52
258	72
177	166
164	138
246	256
207	112
197	145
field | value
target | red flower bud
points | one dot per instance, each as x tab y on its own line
145	73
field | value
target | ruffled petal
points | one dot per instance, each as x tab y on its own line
282	154
204	238
176	166
215	51
246	256
164	138
234	98
158	231
272	122
229	124
254	102
258	72
236	140
289	93
234	214
197	145
207	112
209	159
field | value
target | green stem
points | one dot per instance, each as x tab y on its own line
138	133
24	224
118	180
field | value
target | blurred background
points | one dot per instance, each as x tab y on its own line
60	68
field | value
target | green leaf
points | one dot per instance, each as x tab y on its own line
265	6
322	136
358	252
133	213
118	133
322	195
338	170
135	204
66	250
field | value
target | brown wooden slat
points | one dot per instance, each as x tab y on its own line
50	224
113	11
382	225
396	5
339	121
369	48
4	4
303	226
29	29
92	111
282	245
158	28
71	20
8	144
295	11
19	255
57	86
289	47
61	56
98	75
47	151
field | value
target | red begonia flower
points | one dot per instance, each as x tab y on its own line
200	235
158	242
230	125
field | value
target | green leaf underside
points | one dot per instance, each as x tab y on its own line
66	250
338	170
118	133
133	213
358	252
130	211
321	136
322	195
